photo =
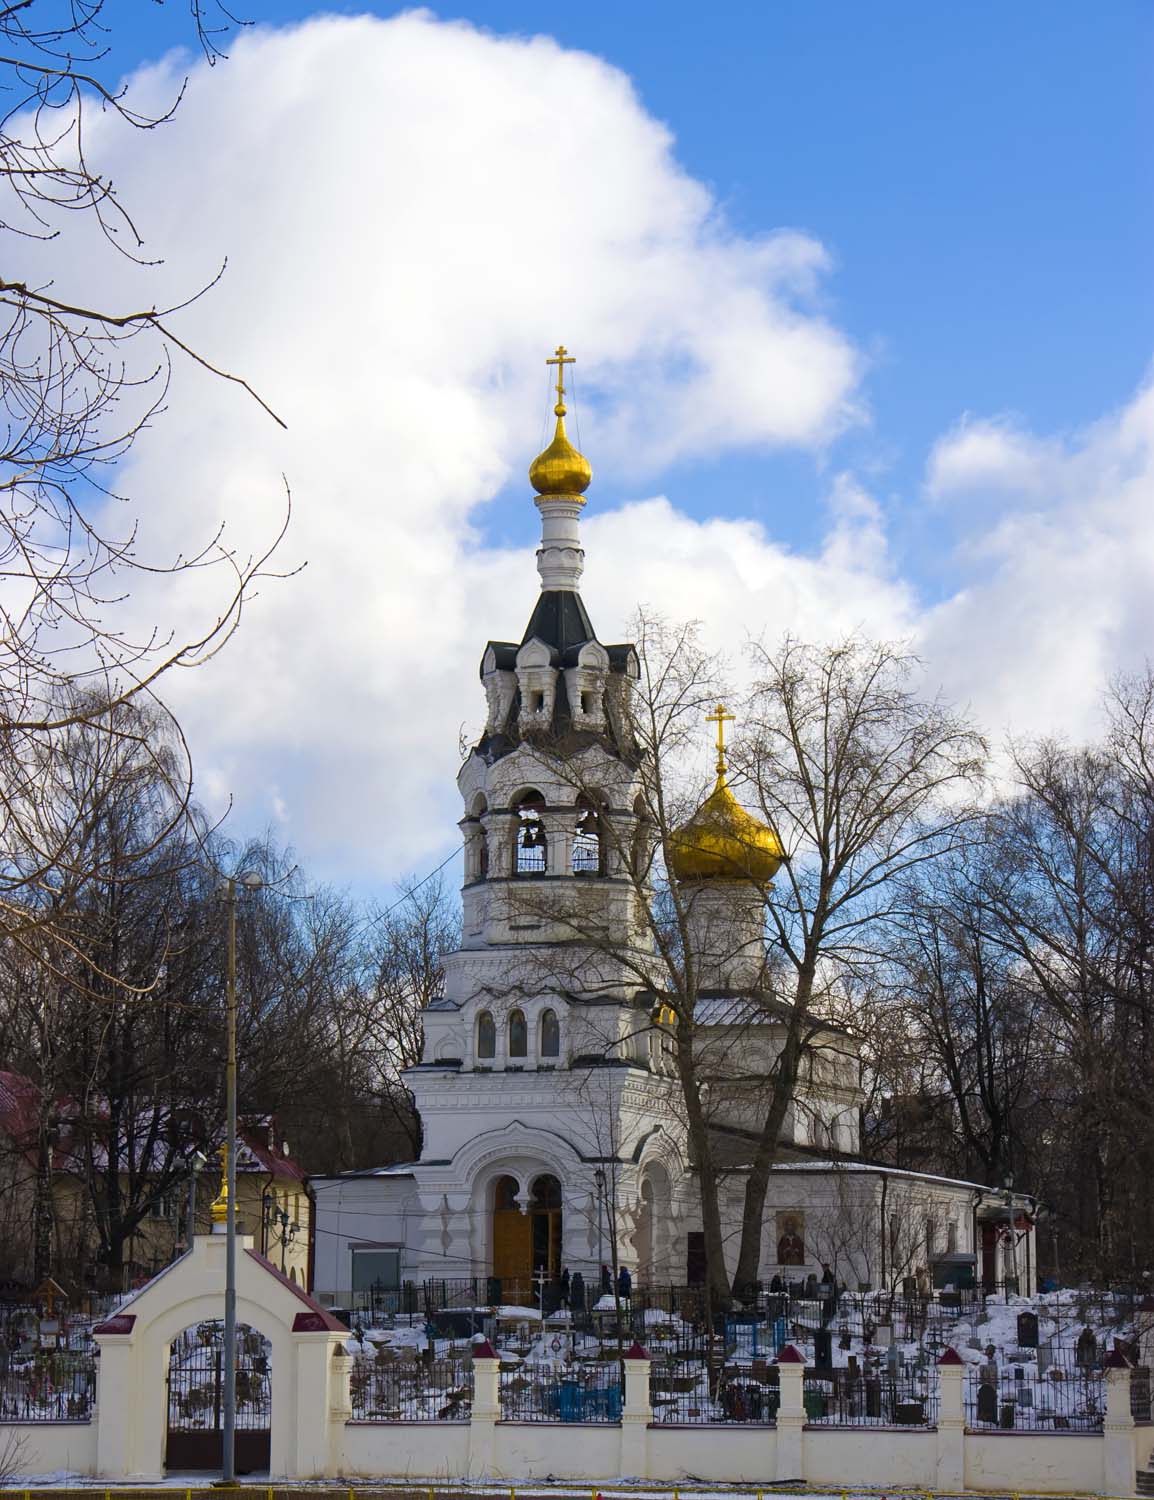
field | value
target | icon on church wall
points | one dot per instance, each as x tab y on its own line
790	1239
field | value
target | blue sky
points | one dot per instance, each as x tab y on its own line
981	174
929	419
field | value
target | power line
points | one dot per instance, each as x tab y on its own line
380	917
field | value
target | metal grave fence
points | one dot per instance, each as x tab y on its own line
411	1390
59	1386
562	1393
1023	1395
865	1398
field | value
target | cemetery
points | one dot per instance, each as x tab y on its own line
848	1390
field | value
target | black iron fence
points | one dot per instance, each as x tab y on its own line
863	1398
51	1387
690	1389
562	1393
1056	1393
411	1390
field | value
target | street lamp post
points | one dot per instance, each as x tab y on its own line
251	881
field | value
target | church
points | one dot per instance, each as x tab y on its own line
553	1127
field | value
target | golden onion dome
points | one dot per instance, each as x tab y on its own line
721	841
560	470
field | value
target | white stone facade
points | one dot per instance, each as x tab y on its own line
544	1090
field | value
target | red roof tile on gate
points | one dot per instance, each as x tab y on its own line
951	1357
789	1356
636	1352
1115	1361
484	1350
118	1323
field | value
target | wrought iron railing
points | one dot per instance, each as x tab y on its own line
864	1398
691	1391
55	1387
562	1393
399	1390
1058	1394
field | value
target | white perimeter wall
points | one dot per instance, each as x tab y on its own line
1058	1463
48	1447
1061	1462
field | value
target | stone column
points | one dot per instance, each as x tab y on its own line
115	1414
1118	1461
790	1415
951	1422
636	1415
486	1411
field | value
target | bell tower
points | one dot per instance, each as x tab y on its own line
549	794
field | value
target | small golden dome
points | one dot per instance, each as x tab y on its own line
560	470
722	841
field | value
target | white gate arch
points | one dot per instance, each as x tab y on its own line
309	1372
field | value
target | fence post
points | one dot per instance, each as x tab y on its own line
340	1405
1118	1462
486	1410
790	1415
636	1415
951	1422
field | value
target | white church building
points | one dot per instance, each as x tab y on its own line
553	1135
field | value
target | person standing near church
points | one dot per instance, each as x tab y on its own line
624	1284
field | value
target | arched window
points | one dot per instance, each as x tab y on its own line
546	1193
588	854
550	1034
518	1034
486	1035
505	1194
476	842
531	849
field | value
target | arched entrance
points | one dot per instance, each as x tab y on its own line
526	1246
196	1399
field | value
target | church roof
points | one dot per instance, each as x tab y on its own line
560	619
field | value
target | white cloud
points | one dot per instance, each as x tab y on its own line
1061	593
411	221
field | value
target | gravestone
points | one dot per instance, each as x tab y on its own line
974	1344
987	1403
1007	1414
1045	1355
873	1396
1028	1330
823	1349
1086	1350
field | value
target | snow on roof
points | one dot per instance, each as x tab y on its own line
880	1169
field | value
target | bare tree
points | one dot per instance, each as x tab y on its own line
863	780
80	382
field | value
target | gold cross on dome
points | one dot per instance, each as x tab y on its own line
561	358
720	718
